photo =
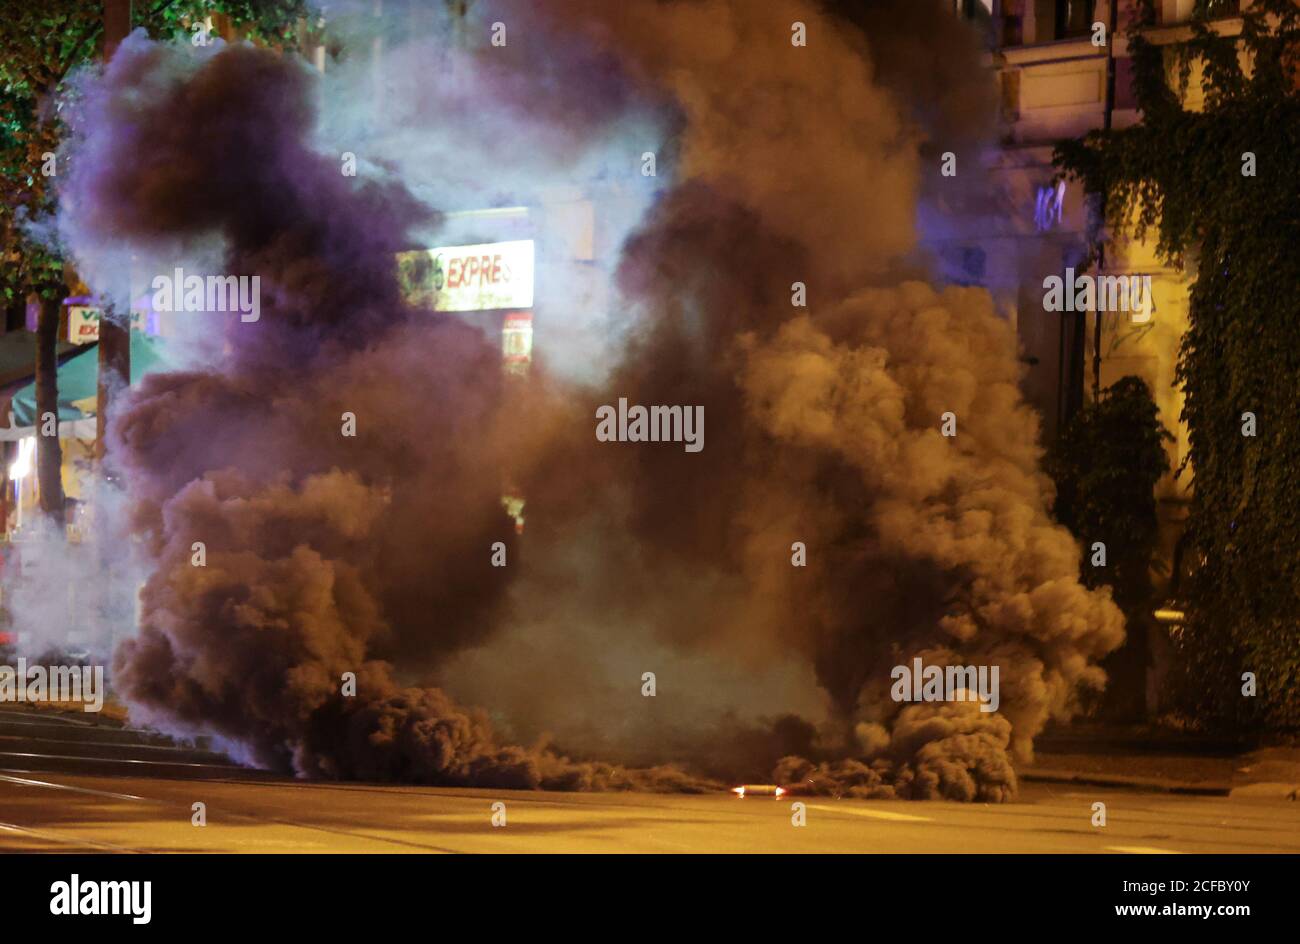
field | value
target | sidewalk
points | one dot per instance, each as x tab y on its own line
1165	762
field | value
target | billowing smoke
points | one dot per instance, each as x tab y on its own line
784	173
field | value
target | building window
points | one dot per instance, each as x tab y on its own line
1074	18
973	9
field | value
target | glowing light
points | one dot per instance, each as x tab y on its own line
1049	207
22	466
758	789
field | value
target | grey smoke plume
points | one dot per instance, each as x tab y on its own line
328	554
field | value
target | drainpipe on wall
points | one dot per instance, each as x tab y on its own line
1106	120
114	326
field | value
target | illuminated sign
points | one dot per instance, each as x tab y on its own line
469	278
83	323
1049	206
517	340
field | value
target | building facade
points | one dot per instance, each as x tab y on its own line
1063	69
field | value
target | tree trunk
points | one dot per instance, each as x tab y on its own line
49	454
117	25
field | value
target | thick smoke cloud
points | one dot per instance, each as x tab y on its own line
327	554
322	552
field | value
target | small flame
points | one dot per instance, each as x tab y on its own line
738	791
780	791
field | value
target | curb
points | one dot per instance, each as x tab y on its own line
1144	784
1269	789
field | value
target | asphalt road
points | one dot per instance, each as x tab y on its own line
71	786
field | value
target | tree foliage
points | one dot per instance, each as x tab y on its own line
1106	464
39	46
41	43
1184	176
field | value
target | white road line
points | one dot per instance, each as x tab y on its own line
23	781
108	745
27	717
256	818
124	760
54	837
874	814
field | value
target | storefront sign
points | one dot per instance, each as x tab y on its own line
83	323
470	278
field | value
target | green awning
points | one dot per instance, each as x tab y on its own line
79	379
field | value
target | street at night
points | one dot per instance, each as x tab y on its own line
691	427
68	787
71	813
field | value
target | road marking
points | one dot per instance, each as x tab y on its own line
60	786
51	720
121	745
54	837
124	760
1142	850
874	814
256	818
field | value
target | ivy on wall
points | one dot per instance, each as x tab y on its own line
1219	190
